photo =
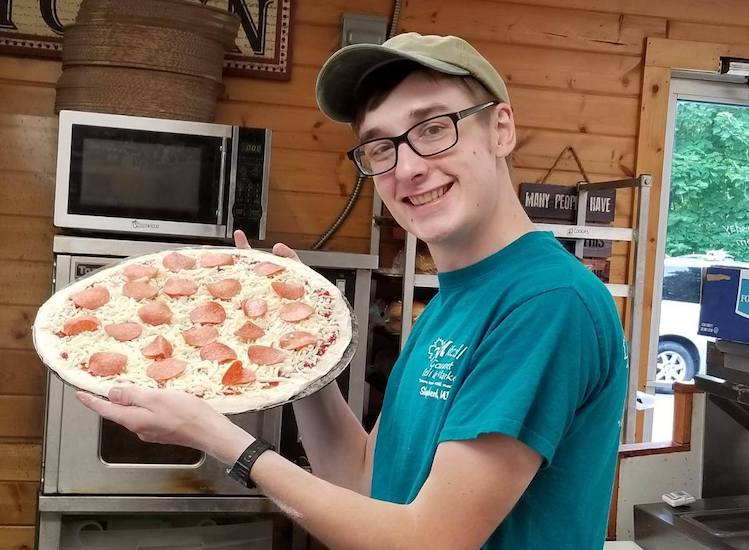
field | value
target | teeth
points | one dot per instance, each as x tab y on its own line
429	196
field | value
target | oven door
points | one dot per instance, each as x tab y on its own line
141	175
84	454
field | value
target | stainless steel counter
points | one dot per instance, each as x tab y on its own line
715	523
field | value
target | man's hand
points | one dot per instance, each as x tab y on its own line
279	249
169	416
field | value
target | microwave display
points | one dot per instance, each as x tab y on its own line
143	174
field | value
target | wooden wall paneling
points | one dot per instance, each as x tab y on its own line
313	43
527	65
573	70
24	70
16	537
26	238
726	11
298	92
330	12
314	172
29	143
28	193
555	28
539	148
293	127
21	373
685	54
27	99
19	461
25	283
292	212
22	416
574	112
681	30
18	503
15	327
303	241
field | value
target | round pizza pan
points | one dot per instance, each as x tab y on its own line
313	387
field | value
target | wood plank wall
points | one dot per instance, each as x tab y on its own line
574	69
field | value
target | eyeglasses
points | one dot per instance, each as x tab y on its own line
429	137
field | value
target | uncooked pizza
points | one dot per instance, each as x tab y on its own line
242	329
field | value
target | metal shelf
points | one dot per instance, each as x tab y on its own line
578	232
588	232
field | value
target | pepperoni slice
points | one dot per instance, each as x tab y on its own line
215	259
139	290
295	312
208	313
155	313
165	369
139	271
91	298
254	307
200	336
124	332
175	286
84	323
216	351
106	363
296	340
174	261
158	348
225	289
266	269
237	374
264	355
290	290
249	332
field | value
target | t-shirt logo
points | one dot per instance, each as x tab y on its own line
437	378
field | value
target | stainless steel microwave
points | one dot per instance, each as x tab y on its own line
128	174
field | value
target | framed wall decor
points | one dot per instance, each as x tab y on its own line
262	48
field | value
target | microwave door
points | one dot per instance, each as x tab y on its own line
135	180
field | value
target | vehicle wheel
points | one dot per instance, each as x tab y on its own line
674	363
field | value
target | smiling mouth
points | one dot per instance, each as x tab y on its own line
429	196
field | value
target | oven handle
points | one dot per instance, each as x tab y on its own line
222	171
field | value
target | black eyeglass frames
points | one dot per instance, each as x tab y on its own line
427	138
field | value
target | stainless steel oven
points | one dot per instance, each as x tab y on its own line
152	176
92	465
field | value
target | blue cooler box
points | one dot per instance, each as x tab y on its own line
724	311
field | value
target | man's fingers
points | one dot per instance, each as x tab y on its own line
240	239
131	395
280	249
121	414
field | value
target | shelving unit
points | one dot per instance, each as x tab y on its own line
580	231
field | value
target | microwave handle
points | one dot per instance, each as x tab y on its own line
222	184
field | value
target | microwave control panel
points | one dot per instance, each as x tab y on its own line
248	203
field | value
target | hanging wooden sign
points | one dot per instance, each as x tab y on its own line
543	201
261	49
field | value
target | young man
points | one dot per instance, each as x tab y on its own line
500	425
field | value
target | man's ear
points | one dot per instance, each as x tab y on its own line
505	130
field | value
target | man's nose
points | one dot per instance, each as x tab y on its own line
409	165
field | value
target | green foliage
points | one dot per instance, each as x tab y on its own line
709	206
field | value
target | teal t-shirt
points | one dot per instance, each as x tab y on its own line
526	343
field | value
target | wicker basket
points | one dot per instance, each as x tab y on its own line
159	58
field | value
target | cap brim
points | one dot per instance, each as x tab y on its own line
344	71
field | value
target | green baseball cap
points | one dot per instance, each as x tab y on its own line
344	71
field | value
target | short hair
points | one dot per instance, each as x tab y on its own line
377	85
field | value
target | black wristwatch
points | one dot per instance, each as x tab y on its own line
240	472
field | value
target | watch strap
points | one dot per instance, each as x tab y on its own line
243	466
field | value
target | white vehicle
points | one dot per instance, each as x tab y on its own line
681	351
